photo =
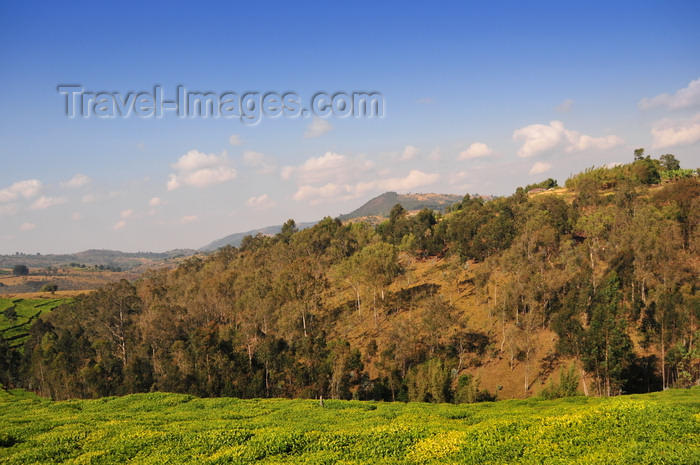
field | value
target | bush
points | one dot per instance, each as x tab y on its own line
567	387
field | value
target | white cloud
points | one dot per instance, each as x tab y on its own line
540	138
685	97
155	202
88	198
197	169
425	101
260	202
27	226
669	133
119	225
259	160
26	189
45	202
235	139
127	213
188	219
194	160
330	167
410	153
317	127
540	167
329	190
579	142
76	216
476	150
77	181
141	145
414	179
565	106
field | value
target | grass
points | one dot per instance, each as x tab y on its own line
16	330
160	428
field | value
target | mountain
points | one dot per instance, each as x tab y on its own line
382	205
235	239
379	206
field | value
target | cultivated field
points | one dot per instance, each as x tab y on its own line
170	428
17	315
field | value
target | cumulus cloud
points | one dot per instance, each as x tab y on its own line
317	127
197	169
45	202
127	213
260	202
119	225
78	180
258	160
412	180
26	189
155	202
669	133
188	219
410	153
76	216
235	139
579	142
476	150
425	101
542	138
330	167
540	167
685	97
27	226
539	138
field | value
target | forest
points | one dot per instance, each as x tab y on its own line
606	267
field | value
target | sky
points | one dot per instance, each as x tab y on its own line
477	97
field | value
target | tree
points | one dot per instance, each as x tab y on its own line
638	154
50	287
20	270
669	162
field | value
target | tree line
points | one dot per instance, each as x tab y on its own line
610	266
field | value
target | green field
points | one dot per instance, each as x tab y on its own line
15	329
163	428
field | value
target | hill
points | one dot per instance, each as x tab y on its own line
382	204
176	428
93	257
379	206
235	239
590	288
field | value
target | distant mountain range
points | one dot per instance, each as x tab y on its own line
378	207
111	258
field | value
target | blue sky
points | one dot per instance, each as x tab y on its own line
479	98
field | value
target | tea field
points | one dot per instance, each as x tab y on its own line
160	428
17	316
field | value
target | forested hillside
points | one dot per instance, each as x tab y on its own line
596	282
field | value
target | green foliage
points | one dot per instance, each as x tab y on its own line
174	428
548	183
567	386
50	287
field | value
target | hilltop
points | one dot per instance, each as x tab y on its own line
372	211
